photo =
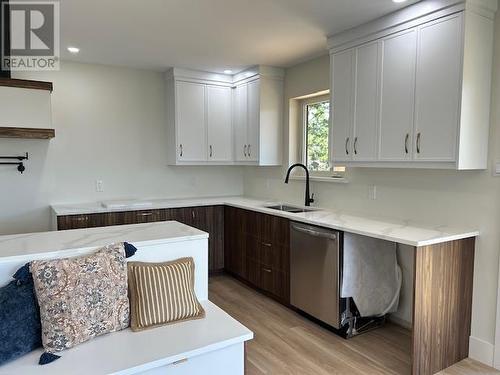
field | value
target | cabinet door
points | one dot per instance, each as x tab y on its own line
190	122
253	120
438	89
240	122
397	96
365	146
342	105
219	124
234	242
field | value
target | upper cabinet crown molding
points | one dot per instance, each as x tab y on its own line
411	16
221	119
431	87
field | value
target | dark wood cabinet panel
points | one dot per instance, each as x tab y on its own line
209	219
260	243
274	230
274	282
80	221
234	243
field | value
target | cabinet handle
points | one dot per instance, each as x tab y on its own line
245	150
82	218
406	142
347	146
267	270
418	143
249	152
181	149
211	151
193	214
145	214
266	244
355	145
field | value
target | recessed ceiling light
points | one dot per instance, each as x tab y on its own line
398	1
228	71
73	49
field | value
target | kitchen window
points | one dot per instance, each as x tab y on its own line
316	138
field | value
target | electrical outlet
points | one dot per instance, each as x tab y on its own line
99	187
372	192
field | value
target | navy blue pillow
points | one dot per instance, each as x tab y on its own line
129	249
20	327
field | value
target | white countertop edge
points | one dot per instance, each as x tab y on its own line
76	251
79	241
207	305
393	238
258	205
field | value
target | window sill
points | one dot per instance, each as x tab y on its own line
335	180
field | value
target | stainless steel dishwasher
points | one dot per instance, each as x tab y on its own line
314	272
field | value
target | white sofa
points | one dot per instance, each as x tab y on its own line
213	345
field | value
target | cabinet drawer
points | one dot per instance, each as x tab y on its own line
273	256
80	221
274	230
226	361
273	281
144	216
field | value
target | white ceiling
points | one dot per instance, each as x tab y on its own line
208	35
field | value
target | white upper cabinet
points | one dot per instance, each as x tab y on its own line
223	119
191	121
219	123
342	105
240	122
253	131
397	96
366	104
438	85
258	117
413	89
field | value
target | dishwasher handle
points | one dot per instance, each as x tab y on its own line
315	233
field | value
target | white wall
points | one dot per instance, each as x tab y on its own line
470	198
110	125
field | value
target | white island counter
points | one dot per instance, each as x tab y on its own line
214	344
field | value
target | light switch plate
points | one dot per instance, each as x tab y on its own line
496	172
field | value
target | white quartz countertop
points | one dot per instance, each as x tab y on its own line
395	230
144	234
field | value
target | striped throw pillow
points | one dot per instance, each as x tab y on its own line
162	293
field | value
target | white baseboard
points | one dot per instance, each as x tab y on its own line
481	350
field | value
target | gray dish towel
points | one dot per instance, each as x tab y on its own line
370	274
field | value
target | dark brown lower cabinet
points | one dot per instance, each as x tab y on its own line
257	250
209	219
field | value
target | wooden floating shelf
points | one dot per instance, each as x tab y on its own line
26	84
28	133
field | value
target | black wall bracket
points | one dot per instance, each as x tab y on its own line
20	165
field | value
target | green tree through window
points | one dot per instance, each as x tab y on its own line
316	129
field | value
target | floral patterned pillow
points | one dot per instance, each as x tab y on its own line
81	298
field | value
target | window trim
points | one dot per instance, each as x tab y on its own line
319	175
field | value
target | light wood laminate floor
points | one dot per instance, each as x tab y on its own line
287	343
